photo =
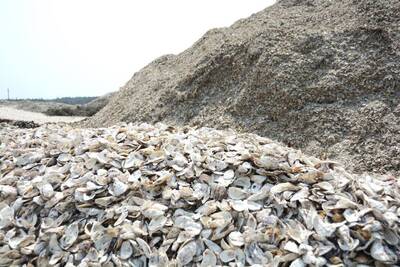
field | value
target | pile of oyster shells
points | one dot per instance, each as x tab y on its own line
144	195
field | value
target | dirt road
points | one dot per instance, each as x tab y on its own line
11	113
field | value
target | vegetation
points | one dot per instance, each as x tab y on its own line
79	110
74	100
80	100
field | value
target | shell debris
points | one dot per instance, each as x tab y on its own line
153	195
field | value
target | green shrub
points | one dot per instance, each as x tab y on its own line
81	111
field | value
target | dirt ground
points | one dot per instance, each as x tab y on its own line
12	113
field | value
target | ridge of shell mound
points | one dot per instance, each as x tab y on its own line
144	195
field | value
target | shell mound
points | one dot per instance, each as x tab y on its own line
319	75
143	195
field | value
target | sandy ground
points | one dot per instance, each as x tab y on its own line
11	113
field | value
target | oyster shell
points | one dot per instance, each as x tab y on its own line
186	253
150	195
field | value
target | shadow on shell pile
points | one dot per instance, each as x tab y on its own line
142	195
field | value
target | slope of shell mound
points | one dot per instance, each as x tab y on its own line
144	195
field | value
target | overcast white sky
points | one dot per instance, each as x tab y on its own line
55	48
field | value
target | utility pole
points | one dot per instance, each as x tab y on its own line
8	94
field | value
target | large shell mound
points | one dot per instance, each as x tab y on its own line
320	75
144	195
